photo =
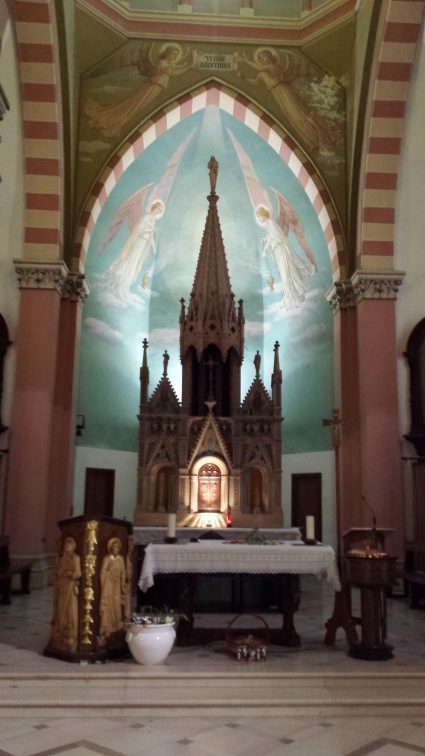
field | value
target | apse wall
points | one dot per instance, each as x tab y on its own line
136	292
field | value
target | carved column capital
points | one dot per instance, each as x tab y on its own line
364	285
76	288
376	285
341	296
46	275
41	275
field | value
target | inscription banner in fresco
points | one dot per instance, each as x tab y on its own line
213	62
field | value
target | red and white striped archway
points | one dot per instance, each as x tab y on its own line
35	26
400	29
37	54
215	93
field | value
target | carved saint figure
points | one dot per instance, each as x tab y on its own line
128	609
64	633
213	169
112	591
166	357
257	364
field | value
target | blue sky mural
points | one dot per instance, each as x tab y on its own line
143	298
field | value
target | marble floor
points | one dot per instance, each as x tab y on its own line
312	700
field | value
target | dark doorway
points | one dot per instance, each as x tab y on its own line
99	494
307	500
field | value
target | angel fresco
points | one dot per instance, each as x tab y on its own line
156	66
278	72
294	270
139	213
124	271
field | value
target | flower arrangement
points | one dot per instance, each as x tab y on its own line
255	538
148	615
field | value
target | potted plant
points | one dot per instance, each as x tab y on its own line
150	634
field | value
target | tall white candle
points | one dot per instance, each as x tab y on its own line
309	528
171	529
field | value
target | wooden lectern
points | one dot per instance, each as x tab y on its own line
92	589
367	566
359	538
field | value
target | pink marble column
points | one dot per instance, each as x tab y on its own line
31	422
41	447
380	452
64	418
379	422
369	454
347	454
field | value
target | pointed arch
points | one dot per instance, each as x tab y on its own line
215	93
400	29
40	94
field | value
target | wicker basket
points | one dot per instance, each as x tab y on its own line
248	646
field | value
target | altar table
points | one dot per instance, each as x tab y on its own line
286	559
143	535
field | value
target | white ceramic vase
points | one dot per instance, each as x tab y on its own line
151	644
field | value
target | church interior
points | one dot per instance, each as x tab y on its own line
212	322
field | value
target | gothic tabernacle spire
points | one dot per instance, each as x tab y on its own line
209	454
212	312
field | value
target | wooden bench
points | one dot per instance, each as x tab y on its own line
7	572
414	572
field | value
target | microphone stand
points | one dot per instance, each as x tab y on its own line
374	533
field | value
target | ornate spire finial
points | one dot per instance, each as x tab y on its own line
145	350
276	355
213	169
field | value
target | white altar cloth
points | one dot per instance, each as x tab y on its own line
144	535
215	557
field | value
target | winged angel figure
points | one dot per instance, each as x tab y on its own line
294	271
139	212
156	65
279	72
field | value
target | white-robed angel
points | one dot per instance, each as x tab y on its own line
139	213
125	270
293	269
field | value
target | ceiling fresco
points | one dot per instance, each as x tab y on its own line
143	76
141	262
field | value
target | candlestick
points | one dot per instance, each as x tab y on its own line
309	528
171	528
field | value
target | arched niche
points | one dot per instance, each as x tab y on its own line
4	344
415	354
220	474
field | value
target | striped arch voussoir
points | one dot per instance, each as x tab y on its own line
234	104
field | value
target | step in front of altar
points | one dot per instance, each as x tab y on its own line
250	688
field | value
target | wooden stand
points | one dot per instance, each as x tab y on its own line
92	536
373	576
